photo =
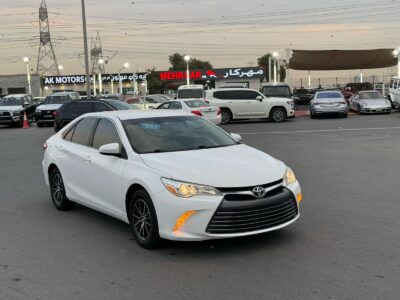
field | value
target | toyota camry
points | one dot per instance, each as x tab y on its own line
170	175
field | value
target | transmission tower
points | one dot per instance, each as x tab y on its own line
47	62
96	54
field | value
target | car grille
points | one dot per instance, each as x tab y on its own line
278	207
5	114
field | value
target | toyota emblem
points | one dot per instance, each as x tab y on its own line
259	191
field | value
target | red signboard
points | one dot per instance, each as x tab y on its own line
245	72
179	75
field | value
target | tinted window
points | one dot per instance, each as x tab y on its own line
164	106
119	105
175	105
83	131
245	95
106	133
98	106
276	91
196	103
221	95
69	134
167	134
68	108
370	95
82	108
57	99
329	95
190	93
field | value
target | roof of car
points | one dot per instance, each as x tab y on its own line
139	114
274	84
16	95
230	89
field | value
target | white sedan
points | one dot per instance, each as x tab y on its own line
170	175
197	107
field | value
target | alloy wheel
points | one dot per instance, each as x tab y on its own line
278	115
142	221
57	188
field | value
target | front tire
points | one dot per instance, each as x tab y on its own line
143	220
57	189
278	114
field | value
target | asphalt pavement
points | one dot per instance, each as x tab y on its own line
346	245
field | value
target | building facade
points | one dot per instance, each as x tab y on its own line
18	84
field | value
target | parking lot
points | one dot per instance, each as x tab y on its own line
344	246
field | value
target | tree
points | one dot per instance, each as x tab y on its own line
263	63
178	62
154	84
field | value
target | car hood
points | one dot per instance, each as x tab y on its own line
11	108
232	166
49	106
374	102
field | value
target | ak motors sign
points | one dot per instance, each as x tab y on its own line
235	73
81	79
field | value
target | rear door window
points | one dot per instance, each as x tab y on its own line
82	108
83	131
106	133
98	106
175	105
221	95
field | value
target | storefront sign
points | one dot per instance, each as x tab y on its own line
81	79
234	73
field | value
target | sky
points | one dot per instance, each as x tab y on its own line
228	33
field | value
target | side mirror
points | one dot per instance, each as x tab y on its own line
26	103
236	137
260	98
112	149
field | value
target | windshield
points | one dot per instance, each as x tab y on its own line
196	103
119	105
12	101
170	134
153	100
276	91
370	95
56	99
190	93
330	95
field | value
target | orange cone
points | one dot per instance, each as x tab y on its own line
26	123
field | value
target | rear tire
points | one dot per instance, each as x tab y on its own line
226	116
143	220
278	114
57	189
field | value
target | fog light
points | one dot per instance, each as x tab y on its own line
299	197
182	220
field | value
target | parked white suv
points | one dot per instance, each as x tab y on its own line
194	91
394	92
241	103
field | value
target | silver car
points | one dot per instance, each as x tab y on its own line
328	102
369	102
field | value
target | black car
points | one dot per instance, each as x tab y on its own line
302	95
44	111
71	110
13	107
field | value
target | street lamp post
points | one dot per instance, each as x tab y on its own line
187	58
126	66
86	49
275	56
28	74
101	62
396	53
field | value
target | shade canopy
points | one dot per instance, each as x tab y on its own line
327	60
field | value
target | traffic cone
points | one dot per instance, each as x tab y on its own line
26	123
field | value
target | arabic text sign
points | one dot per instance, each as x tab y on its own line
213	74
81	79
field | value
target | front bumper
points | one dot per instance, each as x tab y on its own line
201	225
10	119
375	110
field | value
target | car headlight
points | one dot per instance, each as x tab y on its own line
187	190
16	112
289	177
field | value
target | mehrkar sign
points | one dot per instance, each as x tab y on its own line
234	73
